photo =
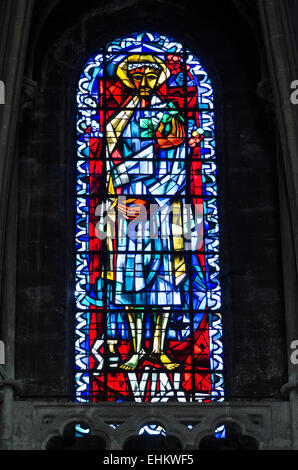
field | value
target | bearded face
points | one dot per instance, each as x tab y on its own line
144	78
143	73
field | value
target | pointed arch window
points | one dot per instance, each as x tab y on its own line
148	296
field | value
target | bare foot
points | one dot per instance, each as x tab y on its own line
133	361
164	359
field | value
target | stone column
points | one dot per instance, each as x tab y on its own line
15	20
277	20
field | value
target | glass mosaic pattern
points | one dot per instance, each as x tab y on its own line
148	295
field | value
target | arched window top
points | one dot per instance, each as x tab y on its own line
142	43
183	73
148	296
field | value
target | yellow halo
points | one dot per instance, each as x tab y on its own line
122	69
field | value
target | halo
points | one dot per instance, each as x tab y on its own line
131	62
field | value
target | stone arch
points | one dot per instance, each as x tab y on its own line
68	439
161	442
234	438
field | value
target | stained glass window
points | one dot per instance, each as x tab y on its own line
148	295
153	430
220	432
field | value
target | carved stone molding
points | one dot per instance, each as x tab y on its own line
266	422
29	90
7	381
288	388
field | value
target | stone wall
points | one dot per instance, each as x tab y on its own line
256	148
246	148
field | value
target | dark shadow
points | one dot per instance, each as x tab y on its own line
146	442
233	440
70	441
